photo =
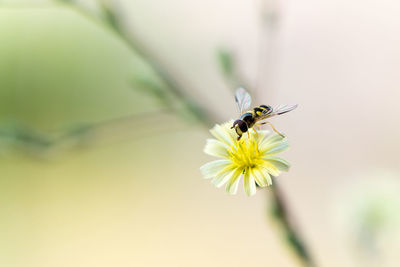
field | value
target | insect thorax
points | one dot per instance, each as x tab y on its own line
256	114
249	118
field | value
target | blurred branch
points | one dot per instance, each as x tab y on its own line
267	47
227	63
270	16
67	1
281	214
15	134
279	206
226	59
112	18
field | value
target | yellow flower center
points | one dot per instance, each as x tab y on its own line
245	154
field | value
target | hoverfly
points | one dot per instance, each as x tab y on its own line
255	116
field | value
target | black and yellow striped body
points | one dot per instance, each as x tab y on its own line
256	114
249	119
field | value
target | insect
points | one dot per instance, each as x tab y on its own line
257	115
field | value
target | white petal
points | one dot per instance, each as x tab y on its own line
278	147
259	177
222	179
223	134
279	163
211	169
272	169
275	147
216	148
249	184
266	175
232	185
271	139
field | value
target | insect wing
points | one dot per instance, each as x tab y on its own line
284	109
243	99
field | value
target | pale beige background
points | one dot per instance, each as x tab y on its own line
144	203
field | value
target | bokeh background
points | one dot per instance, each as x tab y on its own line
100	159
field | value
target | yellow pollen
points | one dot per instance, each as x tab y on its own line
245	153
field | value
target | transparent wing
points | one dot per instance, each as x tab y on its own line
281	109
243	99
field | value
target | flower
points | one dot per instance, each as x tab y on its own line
253	157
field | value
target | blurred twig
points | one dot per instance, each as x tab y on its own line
111	16
270	16
282	216
18	135
227	64
267	50
226	59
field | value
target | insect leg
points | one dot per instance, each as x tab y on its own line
254	128
272	126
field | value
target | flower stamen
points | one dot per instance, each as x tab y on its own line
250	157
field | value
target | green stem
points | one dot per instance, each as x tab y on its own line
172	84
291	235
280	211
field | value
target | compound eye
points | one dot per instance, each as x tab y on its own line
267	109
242	126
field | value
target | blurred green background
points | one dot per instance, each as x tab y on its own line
100	156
